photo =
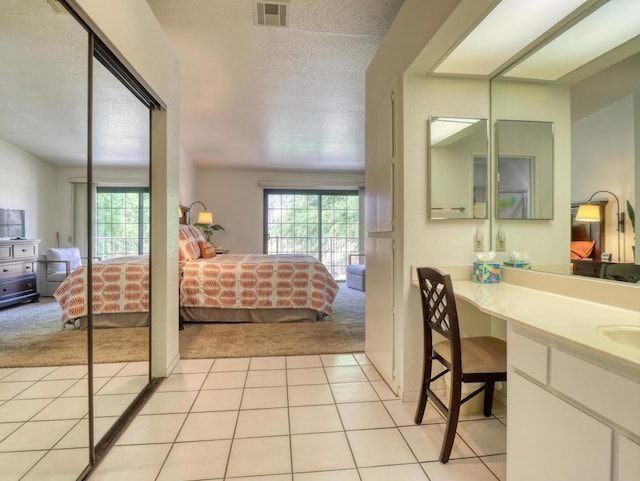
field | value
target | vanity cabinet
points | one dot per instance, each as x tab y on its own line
569	418
18	271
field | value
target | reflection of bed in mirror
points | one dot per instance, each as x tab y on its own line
587	242
250	287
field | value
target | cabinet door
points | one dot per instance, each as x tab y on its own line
547	438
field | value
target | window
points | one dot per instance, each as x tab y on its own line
323	224
122	221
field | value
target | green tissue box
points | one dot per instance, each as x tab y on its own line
486	272
519	264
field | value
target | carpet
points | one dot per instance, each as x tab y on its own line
32	335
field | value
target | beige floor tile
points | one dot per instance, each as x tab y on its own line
78	436
255	423
368	415
8	390
337	374
299	362
362	358
140	368
342	475
81	387
59	465
68	372
497	465
403	472
268	456
383	390
403	413
29	374
217	400
231	364
470	469
124	385
320	452
269	378
196	460
63	408
6	371
190	366
379	447
136	462
338	360
310	395
36	435
208	426
112	405
18	410
426	442
14	465
170	402
152	428
108	369
46	389
275	477
348	392
314	419
485	437
267	363
371	372
264	397
182	382
225	380
305	376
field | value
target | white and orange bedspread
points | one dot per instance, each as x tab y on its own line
119	285
253	281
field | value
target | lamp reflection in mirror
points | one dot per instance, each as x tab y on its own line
591	213
205	212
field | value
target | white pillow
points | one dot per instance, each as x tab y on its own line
71	254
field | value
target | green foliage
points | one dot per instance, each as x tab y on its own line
208	229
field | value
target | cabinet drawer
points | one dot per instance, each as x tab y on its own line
6	252
15	269
24	250
22	285
528	355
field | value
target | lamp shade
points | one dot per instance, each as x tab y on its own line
588	213
205	217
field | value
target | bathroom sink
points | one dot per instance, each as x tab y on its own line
627	335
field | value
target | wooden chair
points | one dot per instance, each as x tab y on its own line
468	359
621	272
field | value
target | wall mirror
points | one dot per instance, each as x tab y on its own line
66	388
524	174
458	168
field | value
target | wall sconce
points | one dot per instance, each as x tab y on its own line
204	217
591	213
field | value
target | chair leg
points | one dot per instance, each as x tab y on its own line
488	397
452	422
426	381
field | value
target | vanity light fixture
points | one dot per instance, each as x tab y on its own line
591	213
509	28
588	39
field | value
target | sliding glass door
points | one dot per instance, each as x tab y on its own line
323	224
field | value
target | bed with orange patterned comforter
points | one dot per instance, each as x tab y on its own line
256	288
120	293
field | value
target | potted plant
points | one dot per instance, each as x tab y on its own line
207	229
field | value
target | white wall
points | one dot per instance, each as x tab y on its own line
188	174
604	157
236	200
26	184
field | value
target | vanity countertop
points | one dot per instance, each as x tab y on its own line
576	323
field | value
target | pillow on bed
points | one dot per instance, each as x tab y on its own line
206	249
188	242
581	249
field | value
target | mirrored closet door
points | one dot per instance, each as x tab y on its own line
75	173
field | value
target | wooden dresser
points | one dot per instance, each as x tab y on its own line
18	264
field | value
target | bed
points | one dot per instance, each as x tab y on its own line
587	238
250	287
120	293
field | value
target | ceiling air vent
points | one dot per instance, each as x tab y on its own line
272	14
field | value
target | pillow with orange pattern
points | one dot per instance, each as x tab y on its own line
206	249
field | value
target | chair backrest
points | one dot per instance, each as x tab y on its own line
621	272
439	308
56	259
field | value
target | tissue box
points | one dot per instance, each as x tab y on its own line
519	264
486	272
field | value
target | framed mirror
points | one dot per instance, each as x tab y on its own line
457	168
524	169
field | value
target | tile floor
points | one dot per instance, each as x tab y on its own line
295	418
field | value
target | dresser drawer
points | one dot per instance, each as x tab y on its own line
6	251
23	285
15	269
20	251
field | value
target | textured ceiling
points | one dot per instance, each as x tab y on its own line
255	97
